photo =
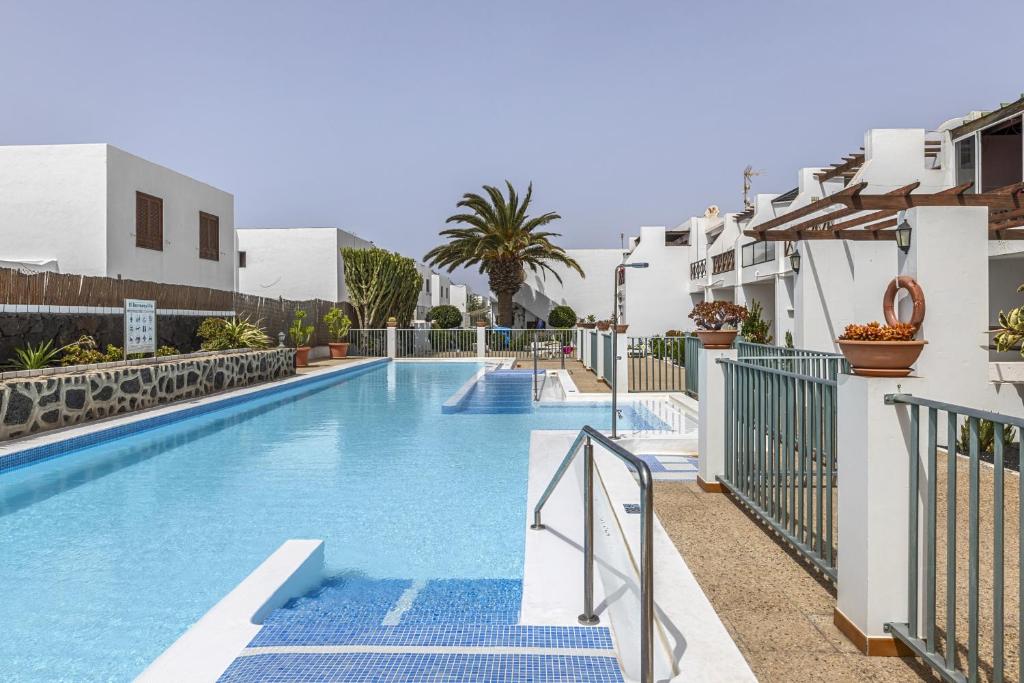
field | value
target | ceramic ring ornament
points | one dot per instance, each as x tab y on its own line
916	297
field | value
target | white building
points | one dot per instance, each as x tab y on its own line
97	210
295	263
434	291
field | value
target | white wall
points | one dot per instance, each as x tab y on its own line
587	295
53	206
183	199
295	263
656	298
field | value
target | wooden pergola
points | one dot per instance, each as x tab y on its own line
866	216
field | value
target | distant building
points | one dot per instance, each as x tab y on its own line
98	210
434	291
294	263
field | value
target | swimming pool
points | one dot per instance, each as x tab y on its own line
111	552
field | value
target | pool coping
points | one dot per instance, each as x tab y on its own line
58	442
209	646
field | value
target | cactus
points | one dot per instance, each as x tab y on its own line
380	285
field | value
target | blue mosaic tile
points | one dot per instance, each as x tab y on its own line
631	508
421	668
463	601
348	599
653	463
29	456
330	632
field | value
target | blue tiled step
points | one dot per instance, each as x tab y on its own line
409	668
329	632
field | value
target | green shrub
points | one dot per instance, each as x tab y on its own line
446	317
166	351
300	334
34	357
986	436
789	339
338	324
219	334
753	328
562	316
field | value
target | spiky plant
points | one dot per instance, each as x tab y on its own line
219	334
1011	329
36	357
501	239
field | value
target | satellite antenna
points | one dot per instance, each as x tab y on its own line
748	173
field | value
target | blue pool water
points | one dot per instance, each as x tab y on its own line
111	552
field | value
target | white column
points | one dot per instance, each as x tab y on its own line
392	341
711	417
481	341
873	442
599	366
622	367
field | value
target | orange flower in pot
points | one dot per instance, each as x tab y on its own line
301	334
717	322
338	325
876	350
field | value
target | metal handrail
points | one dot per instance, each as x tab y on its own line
585	439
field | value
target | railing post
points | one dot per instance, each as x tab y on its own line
392	338
711	425
874	447
481	339
588	618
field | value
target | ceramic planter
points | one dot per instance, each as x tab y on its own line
881	358
621	329
302	356
338	349
586	326
603	326
717	339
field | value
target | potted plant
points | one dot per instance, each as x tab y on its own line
717	322
876	350
588	324
603	325
338	325
300	334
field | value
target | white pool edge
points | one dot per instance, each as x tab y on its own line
209	646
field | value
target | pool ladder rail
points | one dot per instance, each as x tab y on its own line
585	440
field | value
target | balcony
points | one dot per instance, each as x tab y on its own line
723	263
699	269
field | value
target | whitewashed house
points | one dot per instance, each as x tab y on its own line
295	263
95	209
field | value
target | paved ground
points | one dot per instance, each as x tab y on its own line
586	381
324	363
778	613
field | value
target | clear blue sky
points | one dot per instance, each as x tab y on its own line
376	116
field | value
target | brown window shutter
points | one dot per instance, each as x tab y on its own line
209	236
149	221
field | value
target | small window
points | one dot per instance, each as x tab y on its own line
149	221
209	236
965	162
241	259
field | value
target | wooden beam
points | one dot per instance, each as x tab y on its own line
840	197
993	200
820	222
849	163
957	189
988	119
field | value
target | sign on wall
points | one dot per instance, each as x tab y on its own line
139	326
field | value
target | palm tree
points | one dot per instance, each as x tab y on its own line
500	238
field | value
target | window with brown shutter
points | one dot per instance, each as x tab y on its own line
209	236
149	221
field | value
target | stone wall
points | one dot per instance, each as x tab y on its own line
29	405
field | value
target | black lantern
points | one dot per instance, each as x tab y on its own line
903	236
794	261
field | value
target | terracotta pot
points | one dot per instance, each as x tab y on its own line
603	326
338	349
881	359
302	356
587	326
717	339
621	329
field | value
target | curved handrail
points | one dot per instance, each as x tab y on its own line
585	438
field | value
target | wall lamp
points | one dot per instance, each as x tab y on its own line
794	261
903	234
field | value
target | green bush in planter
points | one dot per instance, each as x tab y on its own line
446	317
562	316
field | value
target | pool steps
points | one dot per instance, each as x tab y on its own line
447	630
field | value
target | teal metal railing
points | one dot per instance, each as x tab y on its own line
801	361
656	363
606	371
692	374
780	453
982	435
593	350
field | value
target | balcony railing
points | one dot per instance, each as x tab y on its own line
699	269
723	263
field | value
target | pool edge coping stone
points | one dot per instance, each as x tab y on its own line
209	646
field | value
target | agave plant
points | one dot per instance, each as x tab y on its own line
219	334
1011	329
35	357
